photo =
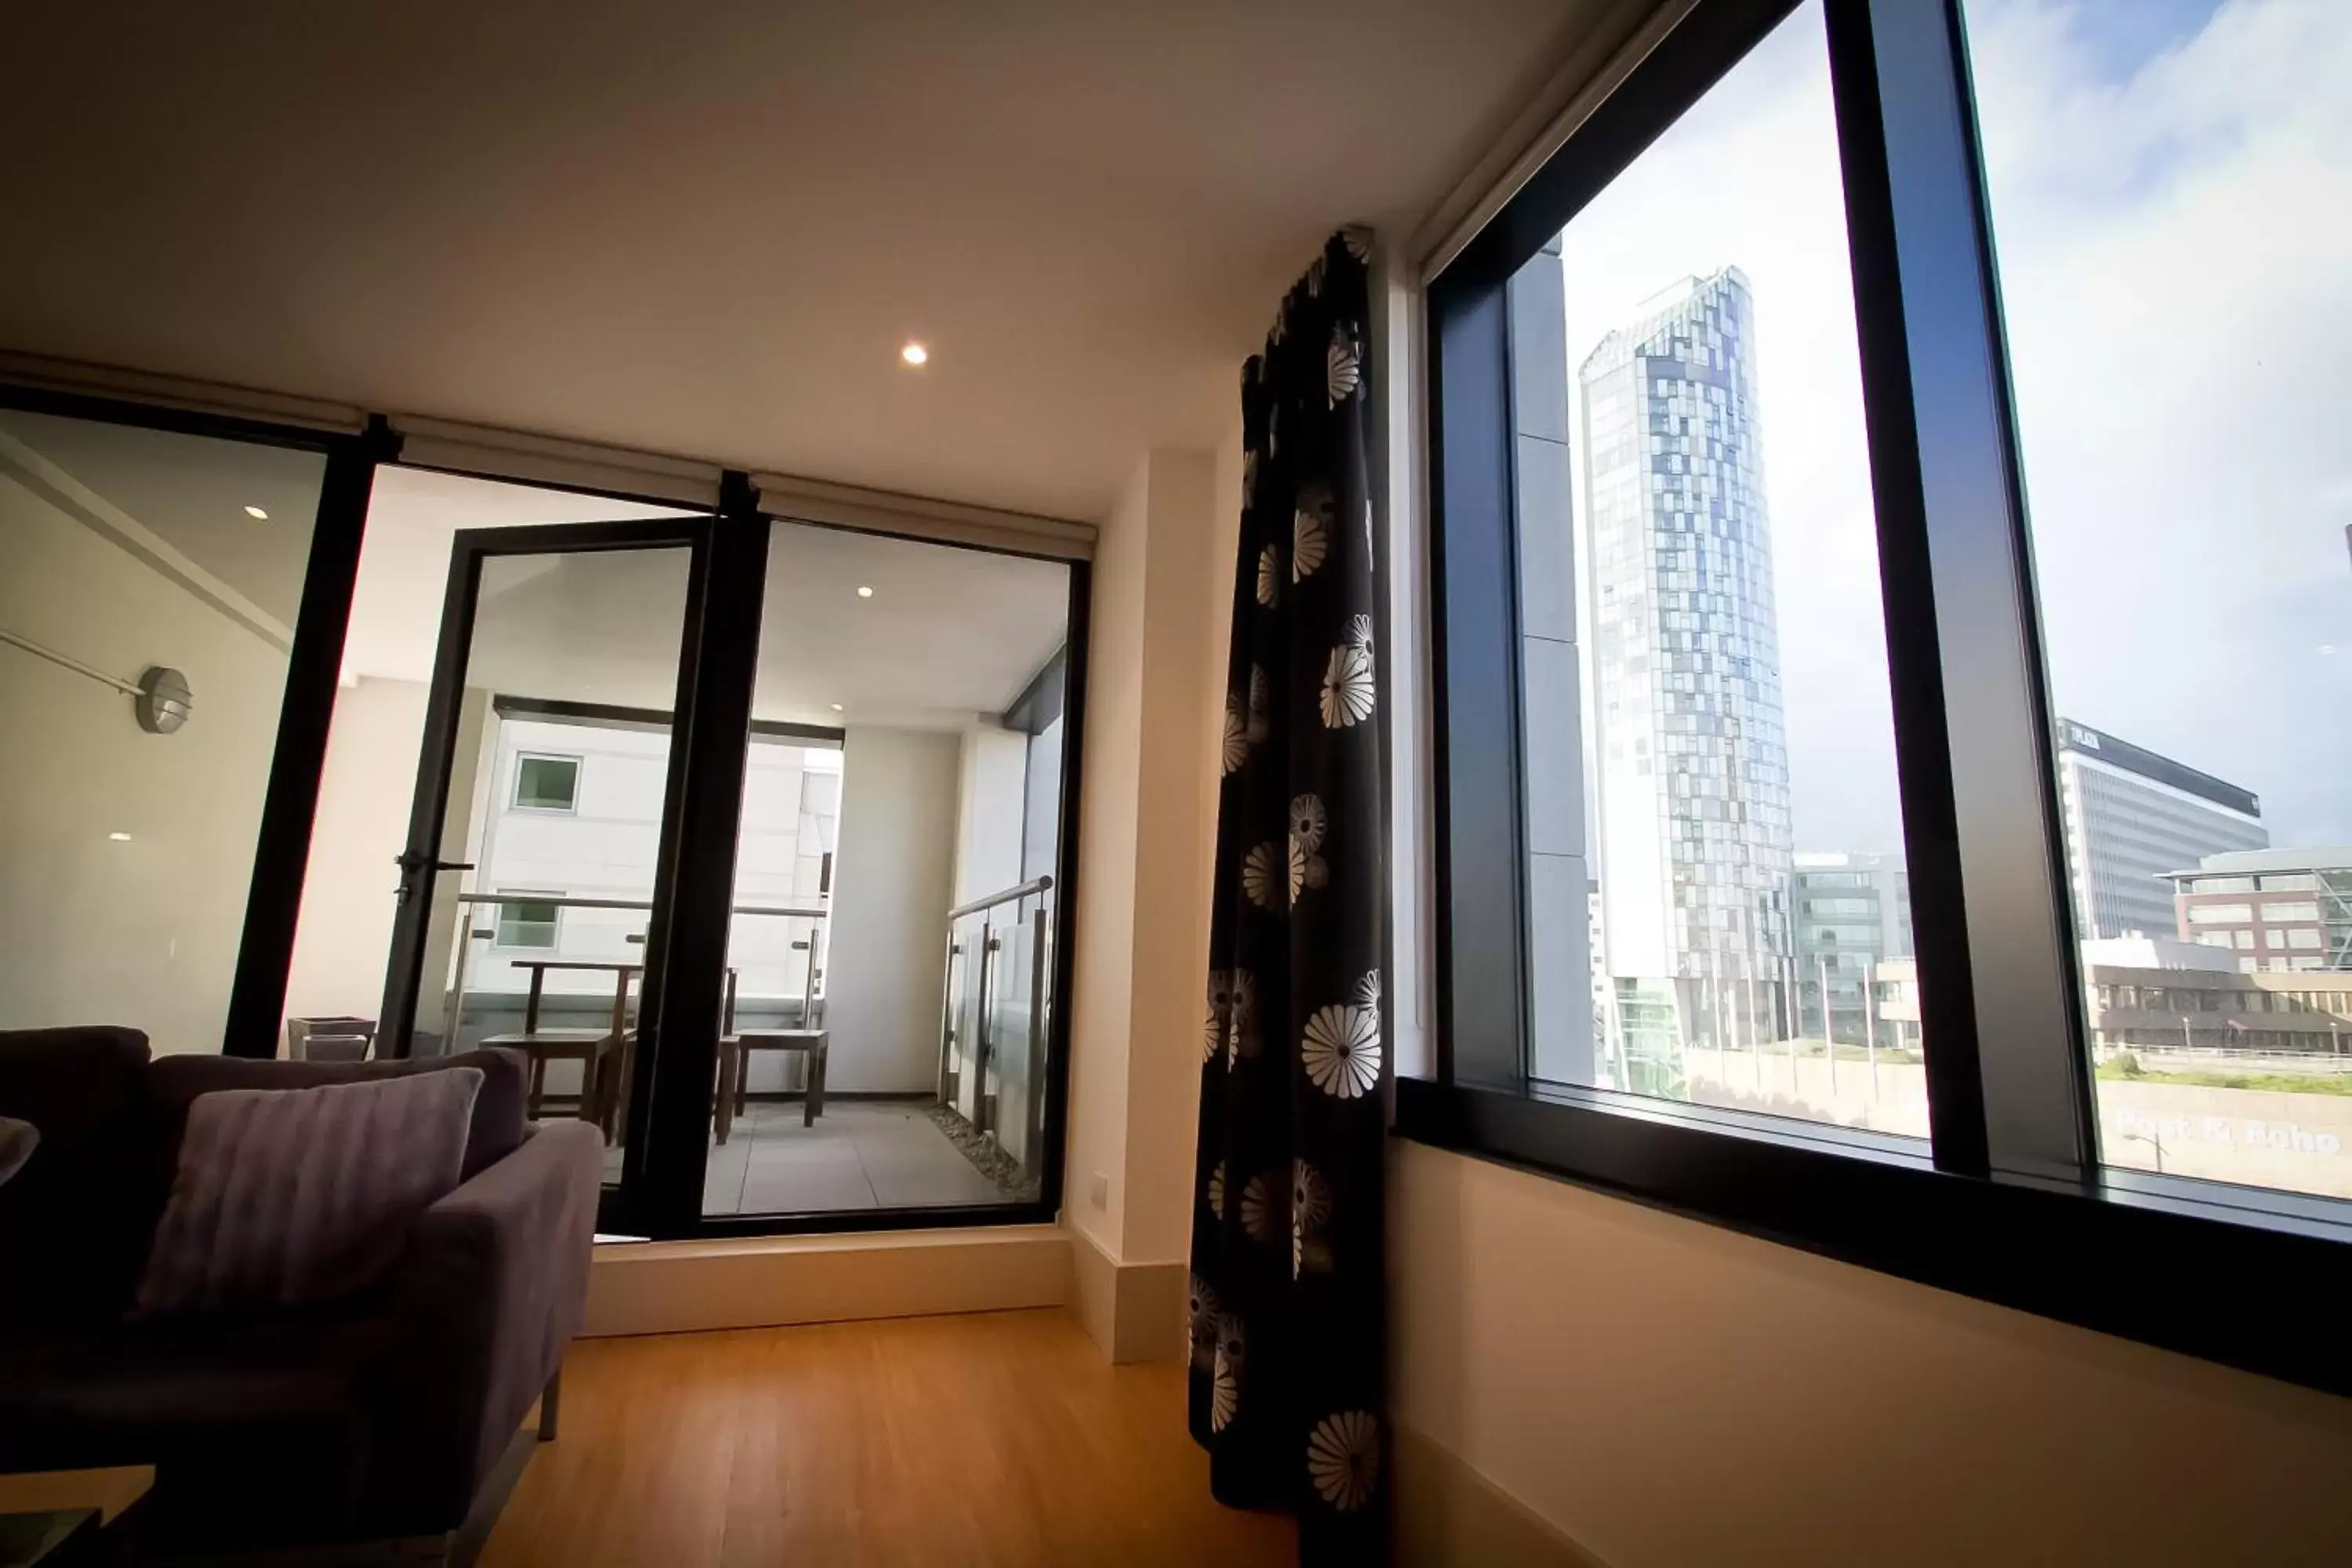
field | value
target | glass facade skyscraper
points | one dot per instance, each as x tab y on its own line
1695	830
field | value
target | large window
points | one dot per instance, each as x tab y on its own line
1821	847
2169	194
1702	652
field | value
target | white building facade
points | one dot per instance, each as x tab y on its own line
2133	818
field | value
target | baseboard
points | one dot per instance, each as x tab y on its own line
1448	1514
683	1286
1134	1311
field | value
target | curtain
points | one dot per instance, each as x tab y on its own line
1285	1330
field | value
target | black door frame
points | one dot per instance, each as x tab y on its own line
420	861
623	1210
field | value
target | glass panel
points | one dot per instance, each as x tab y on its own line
1719	907
552	632
127	824
551	822
893	775
2167	189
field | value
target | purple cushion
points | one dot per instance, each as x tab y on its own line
285	1196
176	1082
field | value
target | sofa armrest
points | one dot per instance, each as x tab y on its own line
484	1300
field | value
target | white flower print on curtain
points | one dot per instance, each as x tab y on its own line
1341	1051
1291	1114
1221	996
1310	1205
1266	878
1226	1390
1241	1018
1343	1458
1201	1314
1348	678
1309	535
1342	367
1263	1203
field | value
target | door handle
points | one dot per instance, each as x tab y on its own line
412	862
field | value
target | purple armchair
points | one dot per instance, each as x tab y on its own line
393	1415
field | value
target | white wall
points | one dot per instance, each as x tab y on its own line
143	932
994	777
1147	830
1669	1395
894	875
364	795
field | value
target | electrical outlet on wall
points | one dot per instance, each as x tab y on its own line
1098	1190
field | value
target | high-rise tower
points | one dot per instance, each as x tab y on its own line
1693	819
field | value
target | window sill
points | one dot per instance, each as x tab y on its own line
2245	1286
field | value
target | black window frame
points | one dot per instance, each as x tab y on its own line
2009	1202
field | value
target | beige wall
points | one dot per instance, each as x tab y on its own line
1666	1392
1146	833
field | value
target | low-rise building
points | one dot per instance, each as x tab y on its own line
1853	913
2271	909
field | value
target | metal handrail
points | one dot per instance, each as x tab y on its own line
1042	884
563	903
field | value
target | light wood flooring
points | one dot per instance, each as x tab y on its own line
999	1438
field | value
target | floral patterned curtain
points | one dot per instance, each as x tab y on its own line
1285	1307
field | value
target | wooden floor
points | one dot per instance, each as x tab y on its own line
995	1438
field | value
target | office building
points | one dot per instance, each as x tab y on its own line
2132	817
1693	768
2275	910
1853	913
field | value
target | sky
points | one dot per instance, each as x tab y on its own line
2172	210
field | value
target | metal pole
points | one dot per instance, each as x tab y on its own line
1829	1033
1870	1029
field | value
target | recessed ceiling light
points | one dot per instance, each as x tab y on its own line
120	838
836	706
864	592
256	514
915	354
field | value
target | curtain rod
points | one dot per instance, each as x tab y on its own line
127	688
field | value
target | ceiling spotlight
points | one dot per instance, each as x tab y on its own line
836	706
256	514
864	592
119	838
915	354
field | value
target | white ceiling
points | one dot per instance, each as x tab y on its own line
705	228
947	633
191	492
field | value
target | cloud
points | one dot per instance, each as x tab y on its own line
1751	178
2174	223
2176	258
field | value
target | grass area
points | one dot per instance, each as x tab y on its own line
2126	1068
